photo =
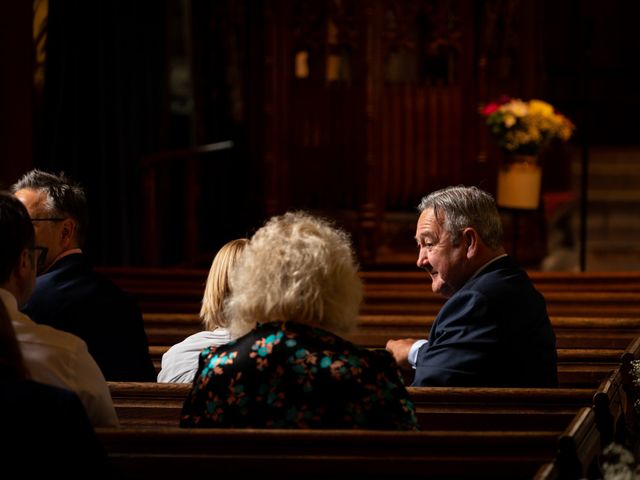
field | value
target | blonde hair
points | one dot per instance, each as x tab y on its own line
297	267
217	287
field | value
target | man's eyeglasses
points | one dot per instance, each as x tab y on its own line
48	219
42	256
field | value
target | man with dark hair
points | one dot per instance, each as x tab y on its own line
69	294
50	356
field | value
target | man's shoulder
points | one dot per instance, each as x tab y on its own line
35	335
503	271
76	277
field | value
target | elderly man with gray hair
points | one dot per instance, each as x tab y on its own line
494	330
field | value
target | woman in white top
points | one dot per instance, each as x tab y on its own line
180	362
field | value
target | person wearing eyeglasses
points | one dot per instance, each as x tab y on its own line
69	294
51	356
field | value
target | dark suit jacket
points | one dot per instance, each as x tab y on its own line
494	331
48	434
74	298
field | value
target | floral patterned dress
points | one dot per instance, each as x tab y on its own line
289	375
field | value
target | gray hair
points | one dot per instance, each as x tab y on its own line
63	197
464	207
296	267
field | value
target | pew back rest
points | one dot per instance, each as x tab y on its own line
160	453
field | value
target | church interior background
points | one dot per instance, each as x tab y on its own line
191	122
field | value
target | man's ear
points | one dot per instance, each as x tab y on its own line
470	239
68	233
25	264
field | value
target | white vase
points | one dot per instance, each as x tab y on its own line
519	182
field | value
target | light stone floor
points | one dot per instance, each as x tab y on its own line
613	218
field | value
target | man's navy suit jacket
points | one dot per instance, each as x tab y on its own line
72	297
493	332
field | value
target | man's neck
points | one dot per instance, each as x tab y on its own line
62	255
488	261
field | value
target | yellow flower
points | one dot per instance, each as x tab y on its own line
516	107
541	108
509	120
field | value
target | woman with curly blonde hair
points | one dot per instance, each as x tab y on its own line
294	290
180	362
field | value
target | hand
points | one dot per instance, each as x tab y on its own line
400	351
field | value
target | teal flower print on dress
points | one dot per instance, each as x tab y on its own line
264	346
288	375
325	362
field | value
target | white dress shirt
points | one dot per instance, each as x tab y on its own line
180	362
61	359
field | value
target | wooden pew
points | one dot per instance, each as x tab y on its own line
438	408
167	328
131	278
565	355
587	348
569	294
582	367
571	332
559	303
159	405
170	452
544	281
143	404
393	302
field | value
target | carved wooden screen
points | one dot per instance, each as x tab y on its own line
425	98
372	104
326	105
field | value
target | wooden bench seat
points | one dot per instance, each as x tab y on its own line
570	374
567	294
583	356
593	281
559	303
608	400
168	328
383	302
131	278
544	281
163	453
159	405
142	453
290	454
461	408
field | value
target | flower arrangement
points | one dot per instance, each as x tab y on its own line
525	127
635	376
617	463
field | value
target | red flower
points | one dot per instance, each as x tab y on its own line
489	108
